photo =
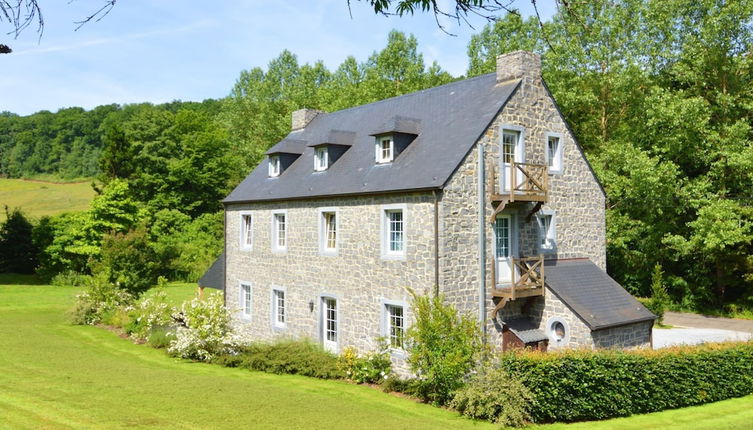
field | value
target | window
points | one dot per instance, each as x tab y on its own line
321	158
393	231
558	332
547	231
328	231
329	323
278	308
385	149
245	301
279	231
395	325
554	152
274	166
247	231
509	143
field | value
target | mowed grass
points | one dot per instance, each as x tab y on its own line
38	198
57	376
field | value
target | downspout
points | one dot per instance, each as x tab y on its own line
224	263
481	239
436	243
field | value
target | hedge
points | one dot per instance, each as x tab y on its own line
595	385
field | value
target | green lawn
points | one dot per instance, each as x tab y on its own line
38	198
57	376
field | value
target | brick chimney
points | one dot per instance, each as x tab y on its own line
302	117
518	65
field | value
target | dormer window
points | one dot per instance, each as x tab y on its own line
274	166
385	149
321	158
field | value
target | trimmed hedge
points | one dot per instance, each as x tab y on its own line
297	357
595	385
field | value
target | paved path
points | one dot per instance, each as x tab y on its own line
699	321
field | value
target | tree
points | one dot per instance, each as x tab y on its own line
18	253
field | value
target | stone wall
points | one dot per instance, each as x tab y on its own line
357	276
545	310
637	335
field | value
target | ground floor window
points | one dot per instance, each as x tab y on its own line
245	300
394	325
329	323
278	307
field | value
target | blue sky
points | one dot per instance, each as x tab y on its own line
165	50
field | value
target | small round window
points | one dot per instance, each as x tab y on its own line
558	330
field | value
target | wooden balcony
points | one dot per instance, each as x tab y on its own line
531	184
526	280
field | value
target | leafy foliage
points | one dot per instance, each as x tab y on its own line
371	368
443	347
129	261
99	301
18	251
299	357
595	385
493	394
149	313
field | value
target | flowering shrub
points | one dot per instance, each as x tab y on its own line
148	313
100	299
370	368
204	330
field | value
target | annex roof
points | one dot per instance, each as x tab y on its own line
214	277
525	330
593	295
448	120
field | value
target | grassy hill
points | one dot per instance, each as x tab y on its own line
39	198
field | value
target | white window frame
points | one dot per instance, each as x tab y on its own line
246	235
384	231
274	166
379	155
558	162
547	239
276	324
323	318
385	323
555	343
321	158
323	250
275	231
245	312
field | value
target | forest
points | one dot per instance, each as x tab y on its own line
659	94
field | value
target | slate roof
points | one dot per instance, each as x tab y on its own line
214	277
525	329
594	296
448	120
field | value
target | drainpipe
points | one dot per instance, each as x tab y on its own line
481	239
436	243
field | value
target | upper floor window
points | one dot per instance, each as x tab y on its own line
274	166
321	158
279	231
245	300
328	231
247	231
548	232
509	145
554	152
393	231
385	149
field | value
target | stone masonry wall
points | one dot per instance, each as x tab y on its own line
574	196
357	276
636	335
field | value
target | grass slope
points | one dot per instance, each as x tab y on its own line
57	376
38	198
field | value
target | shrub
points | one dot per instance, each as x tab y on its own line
395	384
595	385
148	313
18	252
69	278
160	337
204	331
129	261
371	368
659	296
300	357
442	348
98	300
492	394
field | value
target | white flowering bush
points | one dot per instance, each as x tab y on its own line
99	301
372	368
204	330
150	312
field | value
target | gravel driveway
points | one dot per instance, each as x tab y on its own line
691	329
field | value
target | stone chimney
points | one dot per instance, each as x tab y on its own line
302	117
518	65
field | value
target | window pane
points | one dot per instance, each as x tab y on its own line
502	236
330	224
246	299
280	231
280	306
331	319
509	142
247	230
552	148
396	323
395	226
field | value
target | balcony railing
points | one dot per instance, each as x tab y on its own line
526	279
530	183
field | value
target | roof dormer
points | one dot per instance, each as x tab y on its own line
327	153
282	155
392	137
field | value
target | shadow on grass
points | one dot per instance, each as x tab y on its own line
19	279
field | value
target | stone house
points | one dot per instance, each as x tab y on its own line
477	190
